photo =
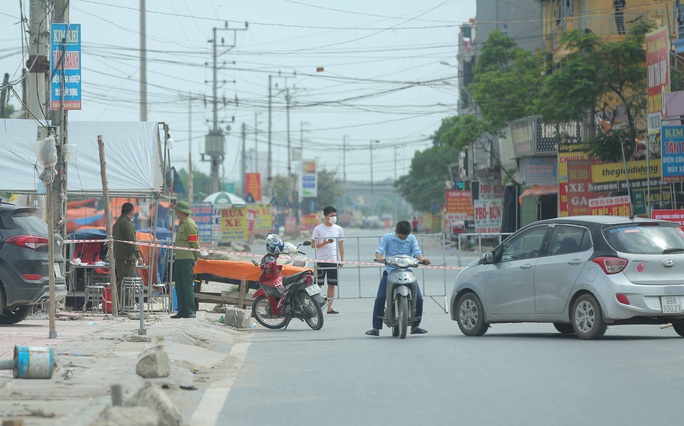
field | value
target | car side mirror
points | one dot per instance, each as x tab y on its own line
488	257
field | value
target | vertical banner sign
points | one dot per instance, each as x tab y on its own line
253	185
672	150
71	34
309	182
202	215
658	72
567	152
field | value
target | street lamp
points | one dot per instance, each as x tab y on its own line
372	200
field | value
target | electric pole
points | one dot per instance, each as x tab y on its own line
215	141
143	63
190	183
244	162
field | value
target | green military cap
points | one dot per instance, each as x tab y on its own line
183	207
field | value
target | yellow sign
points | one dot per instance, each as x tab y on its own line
613	172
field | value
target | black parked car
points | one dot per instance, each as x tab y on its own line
24	266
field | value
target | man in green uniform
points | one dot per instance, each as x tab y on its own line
187	235
125	254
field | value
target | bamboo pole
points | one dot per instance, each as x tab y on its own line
108	225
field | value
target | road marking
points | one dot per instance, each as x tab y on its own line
209	408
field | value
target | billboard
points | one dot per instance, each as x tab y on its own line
658	65
65	54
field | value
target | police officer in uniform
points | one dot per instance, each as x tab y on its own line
184	260
125	254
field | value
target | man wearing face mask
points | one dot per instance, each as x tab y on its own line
394	243
328	240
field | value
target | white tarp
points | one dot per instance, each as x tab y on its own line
132	154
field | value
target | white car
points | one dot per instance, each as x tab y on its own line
580	273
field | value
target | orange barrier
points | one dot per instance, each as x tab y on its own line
237	269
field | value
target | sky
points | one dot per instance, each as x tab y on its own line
368	72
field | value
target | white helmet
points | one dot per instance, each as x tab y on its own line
274	245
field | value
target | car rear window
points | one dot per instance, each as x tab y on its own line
646	238
27	221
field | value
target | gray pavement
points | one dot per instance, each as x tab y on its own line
94	352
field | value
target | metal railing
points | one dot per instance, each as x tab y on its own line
360	253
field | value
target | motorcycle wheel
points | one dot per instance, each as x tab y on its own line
313	314
261	311
395	328
403	316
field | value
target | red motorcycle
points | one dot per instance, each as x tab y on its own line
279	299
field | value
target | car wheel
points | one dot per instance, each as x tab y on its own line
471	315
678	327
587	318
564	328
15	315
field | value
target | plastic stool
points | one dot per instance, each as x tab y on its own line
93	294
130	290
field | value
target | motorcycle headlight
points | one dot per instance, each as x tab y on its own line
404	262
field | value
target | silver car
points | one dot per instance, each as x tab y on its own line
581	273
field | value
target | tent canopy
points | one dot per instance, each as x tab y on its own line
132	151
225	200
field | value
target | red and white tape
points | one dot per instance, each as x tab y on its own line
240	253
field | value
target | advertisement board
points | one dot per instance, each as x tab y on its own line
672	150
487	216
613	206
459	205
65	55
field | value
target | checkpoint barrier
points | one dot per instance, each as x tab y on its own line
434	278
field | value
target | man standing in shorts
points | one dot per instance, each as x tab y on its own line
328	240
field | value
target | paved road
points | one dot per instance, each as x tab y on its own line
517	374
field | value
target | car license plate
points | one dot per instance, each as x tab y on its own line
671	304
58	270
313	290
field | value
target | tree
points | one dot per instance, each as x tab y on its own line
329	188
506	78
423	187
599	78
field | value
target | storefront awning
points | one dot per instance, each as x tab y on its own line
538	190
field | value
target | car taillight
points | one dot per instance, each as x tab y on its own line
611	265
27	241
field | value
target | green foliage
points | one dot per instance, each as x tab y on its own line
598	77
460	131
506	78
329	189
423	186
201	184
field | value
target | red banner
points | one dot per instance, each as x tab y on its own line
253	185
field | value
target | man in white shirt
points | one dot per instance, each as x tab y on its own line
328	240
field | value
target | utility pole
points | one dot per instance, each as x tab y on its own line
190	182
256	142
344	172
143	63
244	162
215	141
3	95
38	64
270	128
372	200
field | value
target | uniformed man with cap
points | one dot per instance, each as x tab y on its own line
187	235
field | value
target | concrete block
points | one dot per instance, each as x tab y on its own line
153	363
156	399
238	318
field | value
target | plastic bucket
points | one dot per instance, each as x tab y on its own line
33	363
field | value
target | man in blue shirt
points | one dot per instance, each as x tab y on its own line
398	242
